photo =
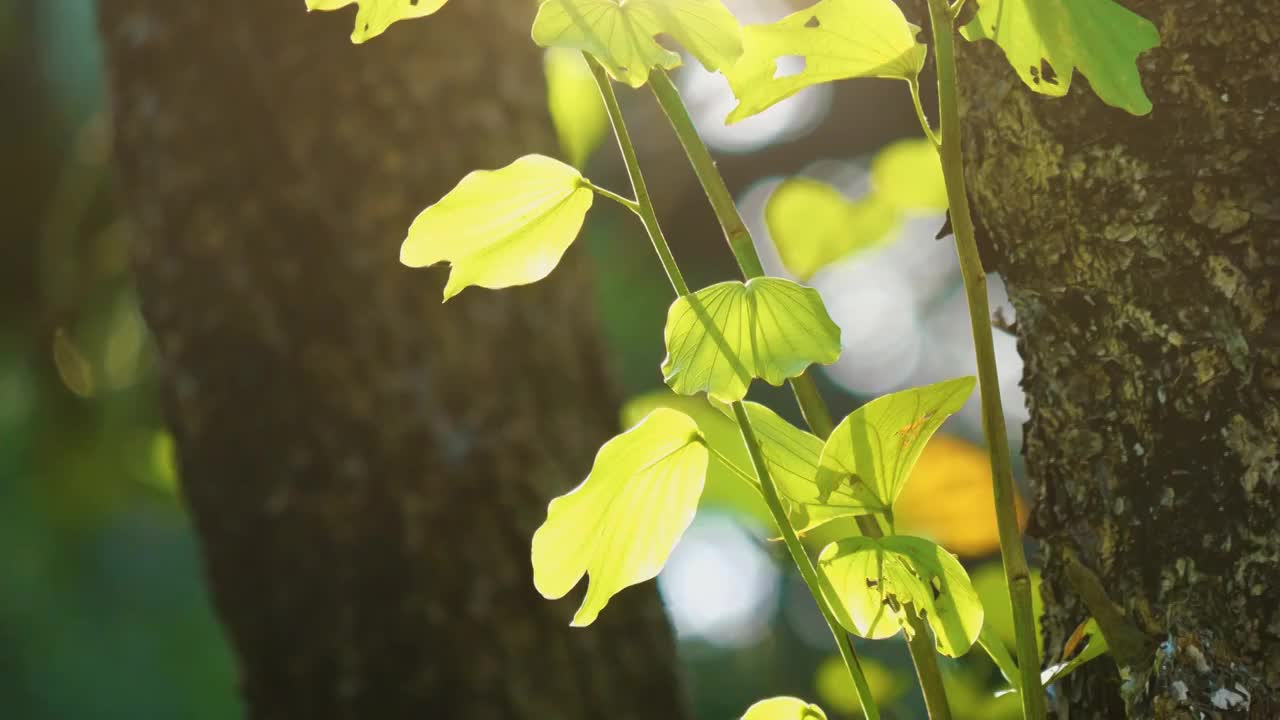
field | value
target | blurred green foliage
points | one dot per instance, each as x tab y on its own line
103	610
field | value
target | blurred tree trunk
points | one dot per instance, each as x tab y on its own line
364	466
1143	257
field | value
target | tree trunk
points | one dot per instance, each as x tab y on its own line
1143	258
364	466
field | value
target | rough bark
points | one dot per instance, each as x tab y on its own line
1143	258
364	466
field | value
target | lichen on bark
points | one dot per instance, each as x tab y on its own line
1142	255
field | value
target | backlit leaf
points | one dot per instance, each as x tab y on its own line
813	224
721	337
375	16
503	227
574	101
622	522
731	484
868	458
838	39
873	579
1047	40
784	708
621	33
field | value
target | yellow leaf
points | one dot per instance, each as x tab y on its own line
949	498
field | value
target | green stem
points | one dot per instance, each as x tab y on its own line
650	219
811	404
704	166
627	203
924	119
975	283
648	215
798	554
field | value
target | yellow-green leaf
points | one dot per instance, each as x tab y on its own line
813	225
503	227
871	453
574	101
907	175
375	16
1047	40
621	33
731	484
721	337
622	522
838	39
871	580
784	708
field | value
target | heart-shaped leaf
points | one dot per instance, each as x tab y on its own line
871	453
621	33
375	16
784	708
502	227
621	523
1047	40
838	40
872	580
721	337
813	225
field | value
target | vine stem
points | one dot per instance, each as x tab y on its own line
975	284
644	203
649	217
814	409
801	558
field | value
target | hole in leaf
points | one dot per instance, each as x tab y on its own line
1047	72
813	22
788	66
1035	74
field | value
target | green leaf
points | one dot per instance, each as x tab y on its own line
784	708
907	174
813	224
1047	40
871	581
503	227
838	39
721	337
574	101
621	523
621	33
869	456
375	16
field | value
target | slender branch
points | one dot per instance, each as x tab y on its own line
955	9
627	203
975	282
649	216
798	554
924	119
811	404
704	166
